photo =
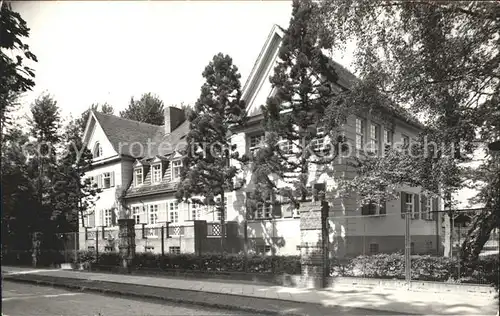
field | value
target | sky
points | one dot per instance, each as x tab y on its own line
108	51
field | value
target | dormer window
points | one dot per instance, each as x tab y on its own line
156	173
97	152
138	176
176	169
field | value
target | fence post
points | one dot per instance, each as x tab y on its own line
97	244
162	240
407	249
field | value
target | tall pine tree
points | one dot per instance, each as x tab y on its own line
304	110
207	173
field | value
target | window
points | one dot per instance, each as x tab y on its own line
106	180
318	142
374	138
387	137
153	214
196	211
138	176
263	249
406	141
286	146
173	208
176	169
218	213
409	203
136	214
156	173
149	248
373	249
174	250
256	142
360	134
97	152
107	218
263	210
428	209
108	249
93	182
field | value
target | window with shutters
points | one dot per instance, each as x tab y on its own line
428	209
256	142
138	175
106	180
136	214
176	169
173	209
153	214
360	133
156	173
409	207
107	218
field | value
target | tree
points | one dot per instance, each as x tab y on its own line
148	109
73	194
207	173
15	76
45	124
303	112
439	58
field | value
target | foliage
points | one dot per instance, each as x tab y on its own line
440	59
148	109
15	76
206	170
305	101
423	268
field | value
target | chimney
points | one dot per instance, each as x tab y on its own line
173	118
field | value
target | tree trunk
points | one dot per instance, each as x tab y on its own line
222	223
448	229
478	234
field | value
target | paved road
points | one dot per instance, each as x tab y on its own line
20	299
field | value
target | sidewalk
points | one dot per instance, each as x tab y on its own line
267	299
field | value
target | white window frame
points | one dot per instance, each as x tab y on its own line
174	250
156	173
195	209
410	204
138	171
176	169
136	214
387	137
264	211
97	152
153	214
256	142
318	143
286	146
218	212
107	217
374	137
173	211
360	133
106	176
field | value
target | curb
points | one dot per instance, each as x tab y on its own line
94	287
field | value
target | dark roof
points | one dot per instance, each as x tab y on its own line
125	136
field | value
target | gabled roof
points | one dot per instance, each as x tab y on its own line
346	78
131	138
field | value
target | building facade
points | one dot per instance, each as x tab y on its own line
140	164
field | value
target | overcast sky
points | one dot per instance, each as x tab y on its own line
101	51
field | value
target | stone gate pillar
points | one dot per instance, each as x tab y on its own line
126	235
314	246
